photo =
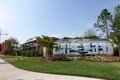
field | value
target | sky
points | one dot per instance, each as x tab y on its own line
24	19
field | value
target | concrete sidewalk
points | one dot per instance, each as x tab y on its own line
9	72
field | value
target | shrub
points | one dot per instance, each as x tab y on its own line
116	52
54	58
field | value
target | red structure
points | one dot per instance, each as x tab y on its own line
4	49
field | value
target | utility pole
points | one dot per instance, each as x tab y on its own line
2	34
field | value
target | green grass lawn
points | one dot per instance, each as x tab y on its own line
10	57
109	70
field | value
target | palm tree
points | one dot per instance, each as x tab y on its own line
46	43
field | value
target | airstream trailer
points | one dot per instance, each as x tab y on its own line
83	47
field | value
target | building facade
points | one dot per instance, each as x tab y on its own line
30	45
4	51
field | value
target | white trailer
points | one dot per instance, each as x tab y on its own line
83	47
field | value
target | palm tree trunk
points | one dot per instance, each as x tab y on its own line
44	52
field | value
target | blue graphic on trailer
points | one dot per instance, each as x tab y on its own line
81	49
100	48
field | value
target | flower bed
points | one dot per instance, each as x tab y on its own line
97	58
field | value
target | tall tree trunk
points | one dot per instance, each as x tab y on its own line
107	32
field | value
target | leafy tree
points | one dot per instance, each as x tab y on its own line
66	38
77	37
47	44
115	35
12	43
104	22
90	34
